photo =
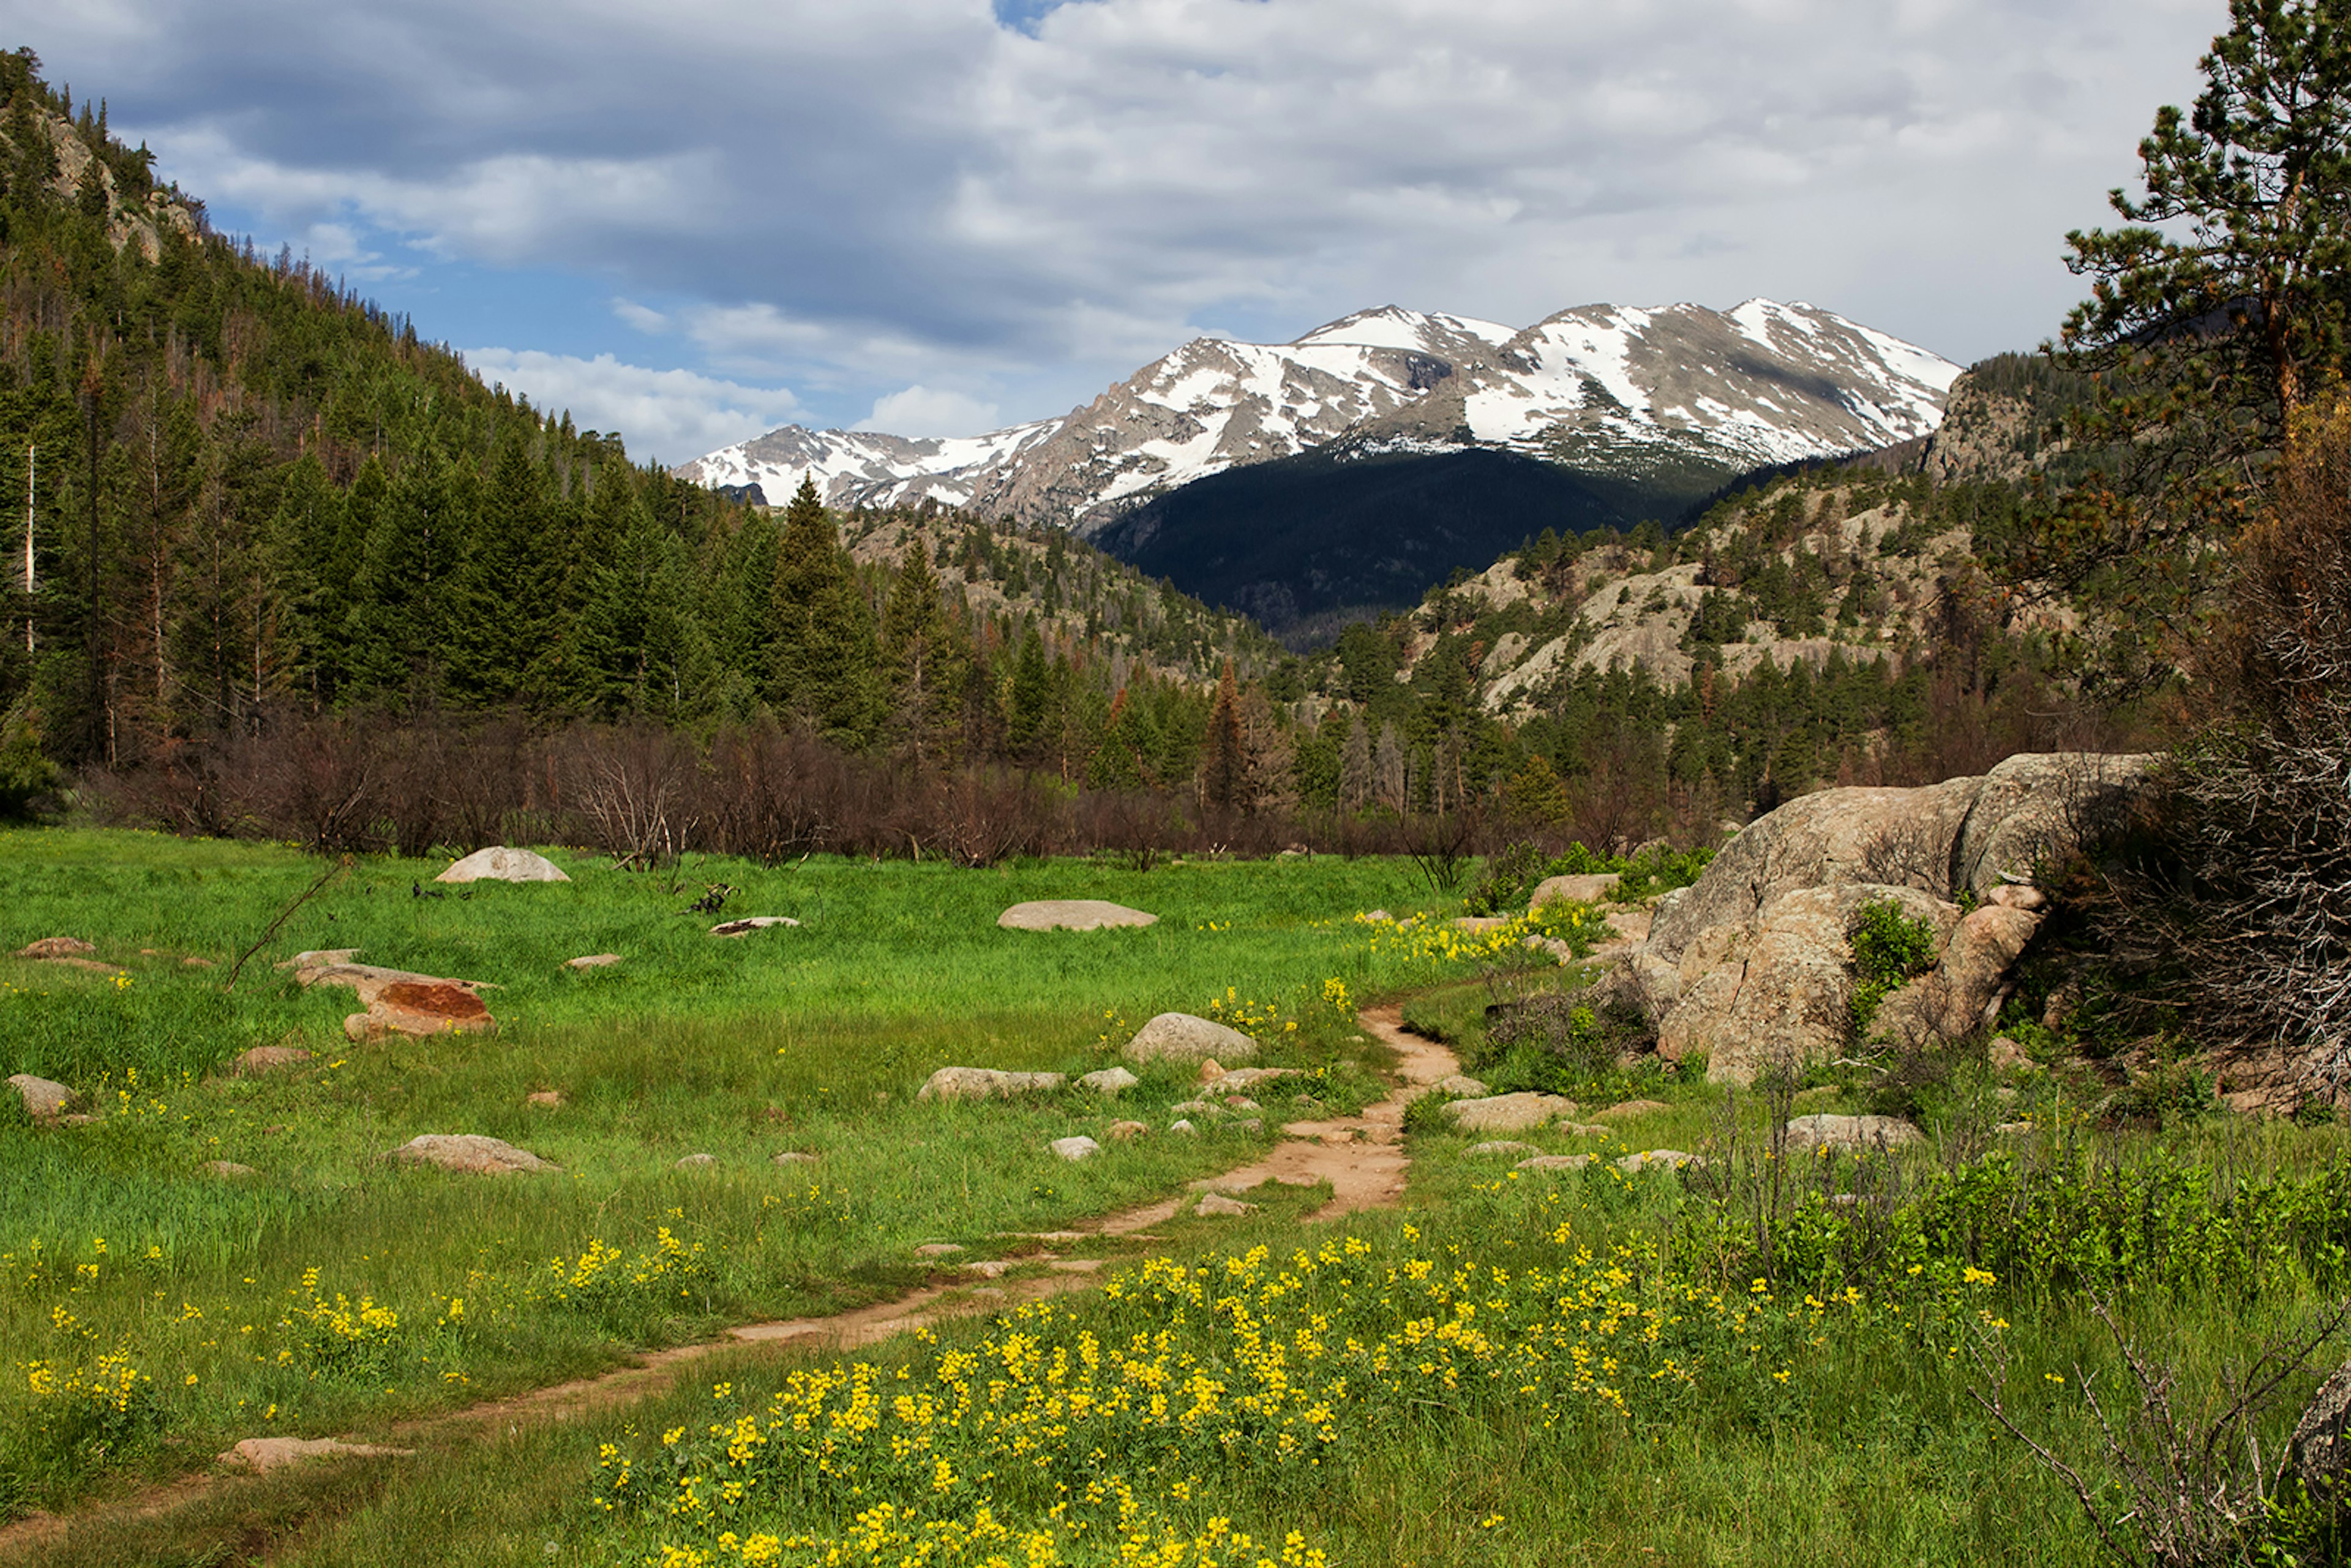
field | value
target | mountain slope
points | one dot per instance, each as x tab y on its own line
1604	389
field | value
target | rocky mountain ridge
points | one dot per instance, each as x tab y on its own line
1629	393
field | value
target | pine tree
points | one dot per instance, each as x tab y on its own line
920	660
1224	769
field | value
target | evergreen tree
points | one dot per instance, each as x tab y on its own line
1224	768
921	659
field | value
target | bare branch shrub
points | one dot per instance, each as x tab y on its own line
632	789
2196	1489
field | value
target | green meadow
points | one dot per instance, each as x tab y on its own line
1762	1359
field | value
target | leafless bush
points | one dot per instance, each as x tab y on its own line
982	817
632	789
2196	1485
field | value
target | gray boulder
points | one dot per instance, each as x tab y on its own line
1217	1204
1508	1113
499	863
985	1084
1072	914
44	1101
592	961
1110	1080
1828	1131
1461	1084
468	1152
1590	888
1180	1037
1078	1148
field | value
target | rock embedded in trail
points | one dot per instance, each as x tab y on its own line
1077	1148
1112	1080
1181	1037
1072	914
985	1084
420	1010
467	1152
264	1059
261	1454
1829	1132
937	1250
44	1101
1508	1113
499	863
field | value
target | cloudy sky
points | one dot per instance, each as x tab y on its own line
694	221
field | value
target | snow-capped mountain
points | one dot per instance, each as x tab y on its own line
1601	388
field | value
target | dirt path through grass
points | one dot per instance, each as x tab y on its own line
1361	1157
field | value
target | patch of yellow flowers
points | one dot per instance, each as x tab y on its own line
1083	1435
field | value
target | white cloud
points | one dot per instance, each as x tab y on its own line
672	415
922	411
904	194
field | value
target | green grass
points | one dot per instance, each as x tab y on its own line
811	1040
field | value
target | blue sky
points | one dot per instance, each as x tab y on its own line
694	221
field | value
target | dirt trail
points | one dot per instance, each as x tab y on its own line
1361	1156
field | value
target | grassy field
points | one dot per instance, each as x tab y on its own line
1752	1361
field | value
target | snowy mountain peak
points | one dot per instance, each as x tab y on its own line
1622	390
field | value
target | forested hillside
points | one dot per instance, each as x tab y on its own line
249	493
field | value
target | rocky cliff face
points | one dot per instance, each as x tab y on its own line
1606	390
142	224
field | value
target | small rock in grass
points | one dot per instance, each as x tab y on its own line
57	948
196	963
2006	1054
1078	1148
44	1100
1241	1103
794	1157
1181	1037
1217	1204
1631	1108
264	1059
1072	914
1126	1132
1211	1071
1821	1131
499	863
592	961
2013	1129
1249	1125
270	1453
937	1250
1500	1146
1243	1078
1112	1080
1508	1113
1181	1126
546	1097
1463	1086
749	923
691	1162
1673	1159
1191	1108
991	1268
468	1152
985	1084
1556	1163
225	1168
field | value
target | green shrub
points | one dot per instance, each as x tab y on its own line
1889	949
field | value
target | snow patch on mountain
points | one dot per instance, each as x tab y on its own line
1600	386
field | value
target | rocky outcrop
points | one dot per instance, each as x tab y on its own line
420	1010
1751	965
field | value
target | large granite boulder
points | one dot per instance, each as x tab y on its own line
499	863
1751	965
473	1153
1180	1037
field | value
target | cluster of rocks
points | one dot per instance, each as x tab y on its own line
1752	965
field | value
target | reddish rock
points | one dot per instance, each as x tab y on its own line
420	1009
